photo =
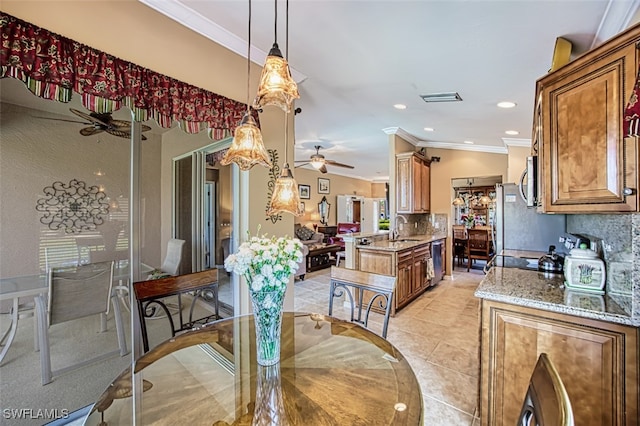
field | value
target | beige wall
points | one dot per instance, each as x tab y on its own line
516	163
338	185
378	190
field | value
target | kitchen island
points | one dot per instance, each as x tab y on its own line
407	258
591	339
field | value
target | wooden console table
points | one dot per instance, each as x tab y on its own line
320	257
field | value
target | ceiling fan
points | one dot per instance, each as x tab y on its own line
102	122
320	163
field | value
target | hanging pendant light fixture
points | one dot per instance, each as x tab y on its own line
285	196
276	85
247	148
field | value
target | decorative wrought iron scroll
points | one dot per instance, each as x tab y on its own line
74	208
274	172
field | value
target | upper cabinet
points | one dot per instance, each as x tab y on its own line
413	180
586	164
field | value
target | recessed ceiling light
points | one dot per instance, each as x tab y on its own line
400	106
428	129
469	142
512	132
506	104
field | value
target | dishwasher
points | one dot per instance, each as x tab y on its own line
436	254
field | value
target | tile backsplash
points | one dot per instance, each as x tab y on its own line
421	224
619	238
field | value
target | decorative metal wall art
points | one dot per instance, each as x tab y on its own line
74	208
274	172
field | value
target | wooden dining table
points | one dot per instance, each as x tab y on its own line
331	372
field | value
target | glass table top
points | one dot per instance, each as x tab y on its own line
331	372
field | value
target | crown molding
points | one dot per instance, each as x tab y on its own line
517	142
193	20
399	131
617	17
465	147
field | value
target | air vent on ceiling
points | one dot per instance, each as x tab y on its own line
441	97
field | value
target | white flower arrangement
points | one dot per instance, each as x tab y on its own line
266	262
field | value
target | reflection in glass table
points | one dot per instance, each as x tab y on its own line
332	372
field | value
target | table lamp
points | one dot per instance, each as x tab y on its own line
315	217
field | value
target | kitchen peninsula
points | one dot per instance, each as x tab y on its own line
409	258
591	339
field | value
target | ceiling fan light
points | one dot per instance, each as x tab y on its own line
458	201
317	163
276	85
247	148
285	198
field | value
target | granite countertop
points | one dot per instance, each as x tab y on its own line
351	236
403	243
546	291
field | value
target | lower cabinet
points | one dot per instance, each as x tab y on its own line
597	361
408	266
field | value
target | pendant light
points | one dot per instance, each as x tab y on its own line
247	148
276	85
285	196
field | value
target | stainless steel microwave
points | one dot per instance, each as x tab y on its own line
529	182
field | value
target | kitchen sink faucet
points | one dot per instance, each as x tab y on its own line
395	234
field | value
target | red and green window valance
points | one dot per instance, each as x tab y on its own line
52	67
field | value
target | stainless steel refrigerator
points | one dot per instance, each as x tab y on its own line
520	227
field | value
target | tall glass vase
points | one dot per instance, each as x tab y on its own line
269	404
267	314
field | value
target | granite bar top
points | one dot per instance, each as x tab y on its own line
545	291
402	243
352	236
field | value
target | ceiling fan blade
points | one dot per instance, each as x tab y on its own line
300	165
119	133
88	117
323	169
301	161
335	163
90	131
119	125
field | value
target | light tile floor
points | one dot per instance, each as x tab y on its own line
438	333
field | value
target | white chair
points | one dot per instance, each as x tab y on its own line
171	264
75	293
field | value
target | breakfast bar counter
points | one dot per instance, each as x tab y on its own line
546	291
590	339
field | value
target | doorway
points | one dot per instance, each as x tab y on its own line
203	214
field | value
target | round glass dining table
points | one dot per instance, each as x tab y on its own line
331	372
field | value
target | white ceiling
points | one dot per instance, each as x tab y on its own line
356	59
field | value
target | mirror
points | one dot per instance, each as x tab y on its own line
323	210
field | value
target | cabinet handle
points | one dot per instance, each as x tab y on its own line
628	191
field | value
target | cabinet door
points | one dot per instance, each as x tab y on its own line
426	187
597	361
587	163
421	256
416	190
403	185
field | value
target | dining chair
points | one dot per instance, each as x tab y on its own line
76	293
478	246
546	401
151	294
460	240
366	291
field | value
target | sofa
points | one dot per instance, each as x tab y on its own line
344	228
302	266
308	236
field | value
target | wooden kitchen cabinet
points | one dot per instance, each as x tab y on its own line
585	162
596	360
413	180
408	266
